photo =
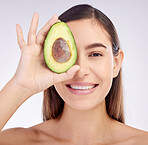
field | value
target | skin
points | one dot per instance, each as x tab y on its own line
84	119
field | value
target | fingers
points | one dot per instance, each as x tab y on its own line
72	71
32	38
43	32
20	38
33	29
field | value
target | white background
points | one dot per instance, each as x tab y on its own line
130	17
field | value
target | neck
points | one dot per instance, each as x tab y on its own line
86	125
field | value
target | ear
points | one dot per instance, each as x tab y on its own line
118	63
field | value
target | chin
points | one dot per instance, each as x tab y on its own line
84	105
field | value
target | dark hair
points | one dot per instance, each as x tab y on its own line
52	103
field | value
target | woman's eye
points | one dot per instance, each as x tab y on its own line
95	54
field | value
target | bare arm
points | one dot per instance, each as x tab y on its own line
11	97
32	75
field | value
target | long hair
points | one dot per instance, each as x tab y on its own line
53	104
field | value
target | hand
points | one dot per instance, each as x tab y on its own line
32	73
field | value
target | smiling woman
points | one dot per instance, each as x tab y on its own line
83	105
94	50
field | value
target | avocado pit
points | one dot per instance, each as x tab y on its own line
60	50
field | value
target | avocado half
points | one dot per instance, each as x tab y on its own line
60	50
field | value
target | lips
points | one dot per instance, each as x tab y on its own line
81	88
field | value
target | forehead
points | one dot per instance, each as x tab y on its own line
88	31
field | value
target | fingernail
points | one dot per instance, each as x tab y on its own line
55	16
59	21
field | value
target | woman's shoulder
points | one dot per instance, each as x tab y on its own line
130	135
140	137
17	135
42	132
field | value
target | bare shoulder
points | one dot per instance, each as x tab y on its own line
131	136
142	139
35	135
17	135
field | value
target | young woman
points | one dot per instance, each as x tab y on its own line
83	106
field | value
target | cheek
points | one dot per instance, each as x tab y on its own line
61	89
103	69
104	73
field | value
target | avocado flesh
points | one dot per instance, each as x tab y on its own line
60	50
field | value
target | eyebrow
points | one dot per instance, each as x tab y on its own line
95	45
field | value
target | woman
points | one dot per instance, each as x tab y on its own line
83	106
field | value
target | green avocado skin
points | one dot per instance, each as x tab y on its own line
59	30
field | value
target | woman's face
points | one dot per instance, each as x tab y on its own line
93	80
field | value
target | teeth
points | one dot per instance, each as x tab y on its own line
82	87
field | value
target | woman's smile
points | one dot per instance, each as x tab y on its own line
81	88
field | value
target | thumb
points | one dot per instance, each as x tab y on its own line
67	75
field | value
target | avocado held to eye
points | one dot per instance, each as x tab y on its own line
60	50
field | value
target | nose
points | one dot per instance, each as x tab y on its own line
84	67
